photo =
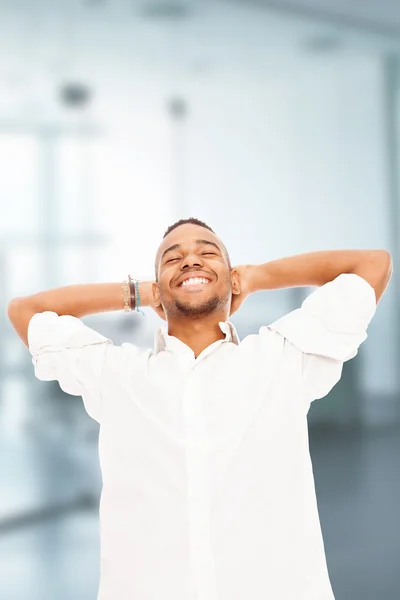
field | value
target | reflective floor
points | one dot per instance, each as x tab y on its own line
358	489
50	485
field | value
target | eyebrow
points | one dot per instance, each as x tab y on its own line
198	242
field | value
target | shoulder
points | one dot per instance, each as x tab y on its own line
127	355
50	332
266	349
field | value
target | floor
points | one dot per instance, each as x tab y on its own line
358	489
50	485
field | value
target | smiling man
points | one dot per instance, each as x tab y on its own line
198	295
208	490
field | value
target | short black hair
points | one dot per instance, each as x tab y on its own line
193	221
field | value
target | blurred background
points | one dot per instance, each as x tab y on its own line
275	122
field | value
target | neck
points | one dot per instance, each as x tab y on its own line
198	334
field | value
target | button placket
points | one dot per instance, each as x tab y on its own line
198	491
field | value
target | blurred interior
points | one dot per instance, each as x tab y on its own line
275	122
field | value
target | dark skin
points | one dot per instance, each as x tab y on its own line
193	313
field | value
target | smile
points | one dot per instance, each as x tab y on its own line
194	282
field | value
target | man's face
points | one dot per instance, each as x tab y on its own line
192	259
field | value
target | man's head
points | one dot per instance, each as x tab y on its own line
190	248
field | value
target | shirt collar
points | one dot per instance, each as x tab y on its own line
161	335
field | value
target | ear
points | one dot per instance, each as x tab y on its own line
235	278
155	288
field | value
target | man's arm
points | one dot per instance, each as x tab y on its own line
75	300
318	268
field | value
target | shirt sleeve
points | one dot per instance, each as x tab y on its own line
328	330
63	348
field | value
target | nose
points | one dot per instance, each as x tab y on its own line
191	261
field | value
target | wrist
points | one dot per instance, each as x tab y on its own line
258	278
146	294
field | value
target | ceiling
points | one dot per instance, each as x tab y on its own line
369	16
112	44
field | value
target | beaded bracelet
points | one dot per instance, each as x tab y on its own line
137	297
125	290
131	299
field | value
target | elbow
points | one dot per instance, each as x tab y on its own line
20	313
13	307
389	262
15	311
385	257
379	261
381	272
386	264
376	269
19	303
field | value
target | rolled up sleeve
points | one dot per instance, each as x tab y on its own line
328	330
64	349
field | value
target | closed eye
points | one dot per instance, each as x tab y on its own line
171	259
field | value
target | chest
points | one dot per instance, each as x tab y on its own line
212	400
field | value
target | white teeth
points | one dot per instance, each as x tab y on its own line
194	280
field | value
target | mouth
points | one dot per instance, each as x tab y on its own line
195	284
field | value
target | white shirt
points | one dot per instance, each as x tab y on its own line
208	489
